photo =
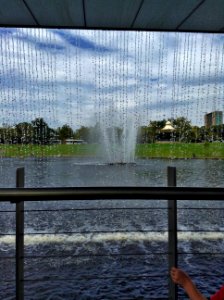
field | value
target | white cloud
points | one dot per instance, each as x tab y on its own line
68	76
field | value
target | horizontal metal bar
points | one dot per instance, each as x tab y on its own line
110	255
119	254
112	208
8	234
118	208
94	232
8	281
95	255
92	193
199	230
96	278
88	232
201	208
110	231
96	209
202	253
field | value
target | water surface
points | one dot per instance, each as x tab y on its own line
112	249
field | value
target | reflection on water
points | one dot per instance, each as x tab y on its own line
115	249
51	172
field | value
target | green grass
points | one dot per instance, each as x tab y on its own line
181	150
157	150
47	150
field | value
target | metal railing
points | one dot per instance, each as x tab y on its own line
170	193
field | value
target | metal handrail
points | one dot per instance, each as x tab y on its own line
171	193
92	193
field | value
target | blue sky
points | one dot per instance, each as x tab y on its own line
77	77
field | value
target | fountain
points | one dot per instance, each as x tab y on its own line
118	134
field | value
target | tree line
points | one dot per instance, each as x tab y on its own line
39	132
184	132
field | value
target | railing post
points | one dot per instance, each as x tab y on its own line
172	231
20	238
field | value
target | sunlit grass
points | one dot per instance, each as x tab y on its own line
157	150
181	150
47	150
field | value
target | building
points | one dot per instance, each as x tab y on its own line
167	132
214	118
168	127
72	141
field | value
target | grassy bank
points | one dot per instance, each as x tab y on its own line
157	150
47	150
181	150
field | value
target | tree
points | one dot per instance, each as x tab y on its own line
142	134
7	134
195	135
41	131
83	133
155	129
182	129
217	132
65	132
24	132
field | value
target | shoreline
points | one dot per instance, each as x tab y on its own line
92	156
174	151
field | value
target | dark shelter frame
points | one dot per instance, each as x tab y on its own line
203	16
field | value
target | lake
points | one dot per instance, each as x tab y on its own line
112	249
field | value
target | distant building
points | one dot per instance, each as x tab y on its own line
167	132
168	127
72	141
213	118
